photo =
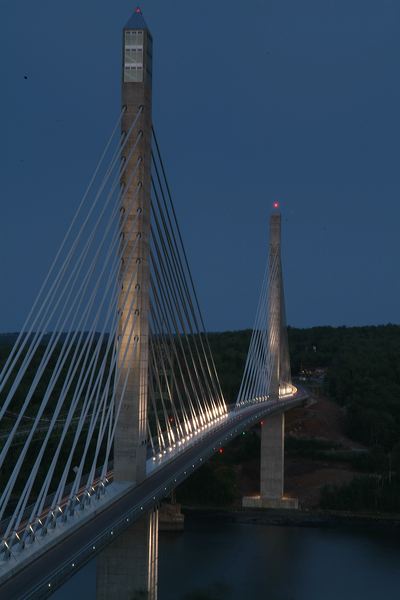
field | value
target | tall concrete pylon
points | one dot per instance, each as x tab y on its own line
274	302
130	435
273	427
127	569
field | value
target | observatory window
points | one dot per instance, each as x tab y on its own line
133	56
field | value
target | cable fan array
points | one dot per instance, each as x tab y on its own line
184	389
60	388
268	354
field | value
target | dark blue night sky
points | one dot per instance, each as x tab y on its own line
254	101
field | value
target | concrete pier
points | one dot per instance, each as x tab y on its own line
272	468
272	457
171	517
127	569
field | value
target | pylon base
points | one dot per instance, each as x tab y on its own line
170	517
263	502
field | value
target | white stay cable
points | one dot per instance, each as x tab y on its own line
23	331
179	292
159	360
253	360
113	277
174	303
123	391
49	301
154	371
161	303
270	339
161	343
57	333
112	253
256	350
79	388
111	371
263	354
242	396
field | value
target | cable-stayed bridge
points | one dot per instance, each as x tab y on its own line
110	396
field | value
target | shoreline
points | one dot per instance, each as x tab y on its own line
296	518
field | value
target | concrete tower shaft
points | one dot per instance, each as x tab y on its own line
274	317
128	567
273	429
130	436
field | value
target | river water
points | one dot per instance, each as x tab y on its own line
216	560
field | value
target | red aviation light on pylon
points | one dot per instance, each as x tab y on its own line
276	204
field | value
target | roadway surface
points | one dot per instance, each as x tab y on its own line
53	567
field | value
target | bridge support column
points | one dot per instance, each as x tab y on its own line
130	440
272	458
273	429
127	569
272	468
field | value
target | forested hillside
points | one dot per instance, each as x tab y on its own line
363	373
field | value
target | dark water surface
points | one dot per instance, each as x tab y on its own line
216	560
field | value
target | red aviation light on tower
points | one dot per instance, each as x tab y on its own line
276	205
138	10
